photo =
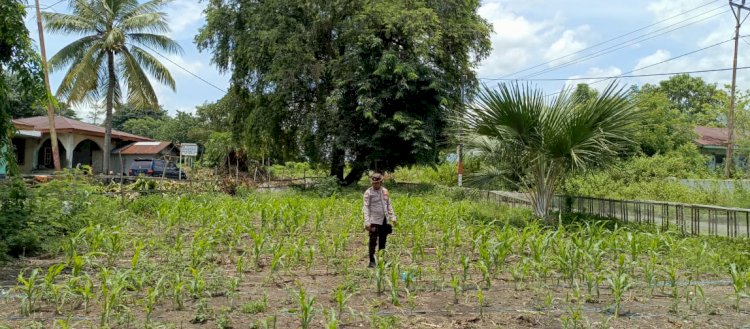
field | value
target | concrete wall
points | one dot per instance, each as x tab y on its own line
714	184
69	141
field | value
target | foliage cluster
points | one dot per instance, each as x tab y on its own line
533	142
365	83
658	178
34	220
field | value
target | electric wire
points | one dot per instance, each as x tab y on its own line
626	74
614	48
184	69
610	40
46	7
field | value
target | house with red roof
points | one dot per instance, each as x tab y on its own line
79	143
713	141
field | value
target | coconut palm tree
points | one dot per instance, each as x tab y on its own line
533	142
109	60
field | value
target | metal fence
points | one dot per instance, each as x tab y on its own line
687	218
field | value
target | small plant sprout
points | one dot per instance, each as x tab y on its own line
306	308
30	291
480	301
456	285
620	283
341	297
380	274
332	322
393	283
739	283
152	298
256	306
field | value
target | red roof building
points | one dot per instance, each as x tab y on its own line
79	144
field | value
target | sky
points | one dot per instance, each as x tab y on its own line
532	39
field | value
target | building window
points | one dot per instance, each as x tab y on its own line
19	148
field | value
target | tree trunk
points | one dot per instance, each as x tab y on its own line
355	175
337	164
542	193
108	117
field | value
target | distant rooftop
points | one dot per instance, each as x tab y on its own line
711	136
143	148
67	125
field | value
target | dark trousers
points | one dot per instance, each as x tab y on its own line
378	237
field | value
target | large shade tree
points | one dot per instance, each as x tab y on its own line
19	66
112	58
368	82
533	142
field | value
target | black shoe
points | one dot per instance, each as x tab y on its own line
372	265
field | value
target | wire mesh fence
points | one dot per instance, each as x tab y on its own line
687	218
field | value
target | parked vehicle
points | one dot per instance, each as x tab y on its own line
155	168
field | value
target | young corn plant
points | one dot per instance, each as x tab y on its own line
30	290
486	275
380	273
197	284
152	297
332	321
480	301
177	292
465	264
111	293
393	283
55	293
739	283
341	297
456	286
306	308
620	283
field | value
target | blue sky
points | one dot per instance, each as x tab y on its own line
527	33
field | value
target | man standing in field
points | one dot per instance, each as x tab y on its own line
379	215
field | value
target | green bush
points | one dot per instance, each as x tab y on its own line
34	219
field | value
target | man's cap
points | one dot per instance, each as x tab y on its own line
376	177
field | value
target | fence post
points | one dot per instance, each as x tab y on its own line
122	191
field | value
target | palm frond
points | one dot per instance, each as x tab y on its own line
69	23
153	66
140	91
146	23
71	53
80	82
515	130
156	41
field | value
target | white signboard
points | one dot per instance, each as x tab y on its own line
189	149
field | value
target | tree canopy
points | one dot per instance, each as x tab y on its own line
534	143
364	81
19	63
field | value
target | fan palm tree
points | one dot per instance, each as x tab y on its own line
533	142
110	52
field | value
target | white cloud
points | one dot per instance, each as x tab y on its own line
182	15
677	11
565	46
596	73
515	40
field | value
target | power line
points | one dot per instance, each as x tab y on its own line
184	69
47	7
623	75
628	43
612	39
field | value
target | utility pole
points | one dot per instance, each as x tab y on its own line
460	149
737	6
47	90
